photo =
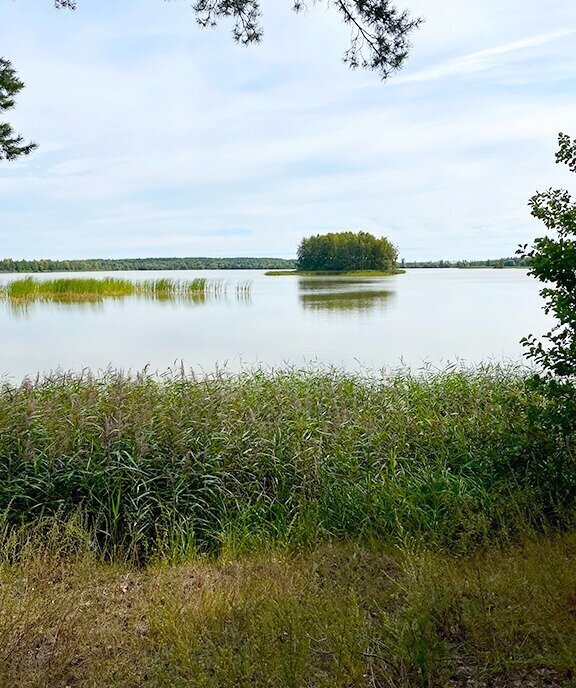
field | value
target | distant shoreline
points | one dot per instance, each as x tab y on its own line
466	267
135	264
282	266
498	263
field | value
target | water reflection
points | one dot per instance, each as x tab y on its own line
338	295
24	308
333	321
332	283
24	294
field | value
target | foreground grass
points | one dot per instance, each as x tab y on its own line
181	465
337	616
285	529
75	288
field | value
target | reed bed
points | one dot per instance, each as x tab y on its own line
182	465
174	288
244	288
77	289
244	291
31	288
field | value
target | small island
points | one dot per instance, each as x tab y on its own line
357	254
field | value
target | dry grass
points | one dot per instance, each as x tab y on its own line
338	616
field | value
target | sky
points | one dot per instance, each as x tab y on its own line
160	138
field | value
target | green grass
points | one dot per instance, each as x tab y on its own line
287	458
30	288
327	273
77	289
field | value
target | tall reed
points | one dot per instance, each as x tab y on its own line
30	288
288	457
61	289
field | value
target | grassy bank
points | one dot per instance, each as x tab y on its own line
337	616
292	458
333	273
29	289
285	529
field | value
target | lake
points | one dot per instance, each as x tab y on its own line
427	317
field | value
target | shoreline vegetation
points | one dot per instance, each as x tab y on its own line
8	265
285	528
280	457
287	457
335	273
498	263
91	289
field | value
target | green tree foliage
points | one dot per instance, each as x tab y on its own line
509	262
345	251
379	30
105	264
12	145
553	261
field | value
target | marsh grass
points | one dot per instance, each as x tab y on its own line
91	289
244	290
30	288
181	465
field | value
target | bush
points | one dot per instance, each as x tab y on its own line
553	261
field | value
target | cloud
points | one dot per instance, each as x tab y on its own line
481	60
156	136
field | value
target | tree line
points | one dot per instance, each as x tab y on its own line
516	262
107	264
346	251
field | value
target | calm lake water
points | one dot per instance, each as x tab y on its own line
425	317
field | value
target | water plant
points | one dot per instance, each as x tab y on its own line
78	289
31	288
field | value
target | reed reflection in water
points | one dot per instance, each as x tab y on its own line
23	296
337	295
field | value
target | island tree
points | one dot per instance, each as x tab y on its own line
346	251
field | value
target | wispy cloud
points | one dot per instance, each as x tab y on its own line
481	60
